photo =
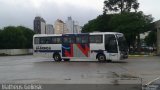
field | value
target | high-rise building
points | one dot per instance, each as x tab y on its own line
39	25
65	30
70	25
59	27
77	28
49	29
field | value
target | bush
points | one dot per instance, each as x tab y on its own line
16	38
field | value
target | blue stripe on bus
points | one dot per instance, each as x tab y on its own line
47	51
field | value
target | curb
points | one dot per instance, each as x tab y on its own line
140	55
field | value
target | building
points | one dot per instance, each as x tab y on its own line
65	29
39	25
70	25
144	35
59	27
77	28
49	29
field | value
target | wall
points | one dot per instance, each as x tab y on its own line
16	51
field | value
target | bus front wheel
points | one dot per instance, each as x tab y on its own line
101	58
57	57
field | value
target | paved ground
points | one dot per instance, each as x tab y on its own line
29	69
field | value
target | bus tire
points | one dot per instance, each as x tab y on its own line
57	57
66	60
101	58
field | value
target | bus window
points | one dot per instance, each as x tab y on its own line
56	40
96	39
59	40
68	40
82	39
48	40
53	40
36	40
42	40
45	40
111	44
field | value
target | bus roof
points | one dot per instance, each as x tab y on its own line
93	33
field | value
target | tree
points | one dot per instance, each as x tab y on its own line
28	34
120	5
101	23
151	39
16	38
131	24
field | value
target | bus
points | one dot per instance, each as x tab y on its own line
99	46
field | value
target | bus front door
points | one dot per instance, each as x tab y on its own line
111	46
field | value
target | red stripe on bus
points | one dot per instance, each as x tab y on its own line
84	50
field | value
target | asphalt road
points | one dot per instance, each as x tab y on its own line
30	69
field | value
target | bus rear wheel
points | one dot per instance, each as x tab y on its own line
57	57
101	58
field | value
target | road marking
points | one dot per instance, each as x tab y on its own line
153	81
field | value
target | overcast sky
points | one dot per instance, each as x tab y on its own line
23	12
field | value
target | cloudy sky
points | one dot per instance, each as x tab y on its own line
22	12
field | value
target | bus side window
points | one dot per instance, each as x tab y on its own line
85	39
42	40
96	39
78	39
68	40
36	40
48	40
82	39
91	39
56	40
53	40
59	40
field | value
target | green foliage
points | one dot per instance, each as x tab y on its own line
101	23
131	24
120	5
151	39
16	38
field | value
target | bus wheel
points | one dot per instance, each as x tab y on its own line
101	58
57	57
66	60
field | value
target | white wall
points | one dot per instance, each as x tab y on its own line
16	51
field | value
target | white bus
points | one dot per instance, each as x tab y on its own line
102	46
